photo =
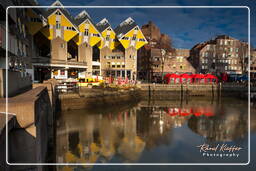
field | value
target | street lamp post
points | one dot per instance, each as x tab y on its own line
163	52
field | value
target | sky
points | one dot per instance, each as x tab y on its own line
185	26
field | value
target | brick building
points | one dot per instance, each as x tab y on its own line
253	62
178	62
150	58
223	54
152	63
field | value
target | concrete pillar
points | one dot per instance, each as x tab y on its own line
85	55
59	49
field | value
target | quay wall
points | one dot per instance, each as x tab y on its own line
178	91
18	83
98	97
30	124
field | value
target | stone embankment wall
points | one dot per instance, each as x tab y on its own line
179	91
95	97
16	83
29	128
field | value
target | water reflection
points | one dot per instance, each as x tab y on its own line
226	126
130	134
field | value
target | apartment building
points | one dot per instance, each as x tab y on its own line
18	64
178	62
73	46
223	54
152	63
118	50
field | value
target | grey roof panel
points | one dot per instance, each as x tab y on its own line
102	25
125	27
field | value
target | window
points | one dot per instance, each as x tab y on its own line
118	66
180	66
130	56
57	25
35	20
96	35
226	67
71	28
62	45
223	55
58	13
136	28
142	40
62	72
125	38
213	60
134	37
236	49
118	57
86	32
113	57
113	66
108	37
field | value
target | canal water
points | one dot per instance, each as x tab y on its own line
198	130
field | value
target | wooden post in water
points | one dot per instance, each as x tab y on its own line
149	91
212	90
181	91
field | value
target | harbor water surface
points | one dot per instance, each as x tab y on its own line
156	132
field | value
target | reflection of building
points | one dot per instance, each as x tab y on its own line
219	55
85	139
224	127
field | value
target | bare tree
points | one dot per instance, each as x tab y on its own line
243	57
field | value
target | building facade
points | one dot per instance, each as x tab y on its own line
76	43
118	50
253	62
223	54
18	64
178	62
152	63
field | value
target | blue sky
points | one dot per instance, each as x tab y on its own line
186	27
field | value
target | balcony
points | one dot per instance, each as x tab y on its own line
46	61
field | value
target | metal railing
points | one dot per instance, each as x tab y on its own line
67	87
